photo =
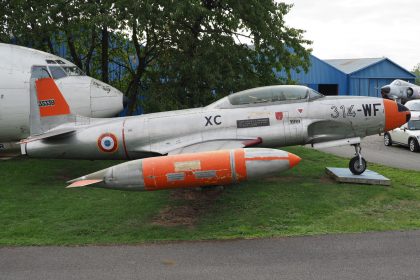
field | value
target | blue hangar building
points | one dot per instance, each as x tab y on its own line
361	76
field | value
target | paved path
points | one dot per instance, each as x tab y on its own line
389	255
374	150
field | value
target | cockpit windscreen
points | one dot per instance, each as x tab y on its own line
273	94
73	71
59	72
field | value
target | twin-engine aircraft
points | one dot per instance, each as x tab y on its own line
268	117
85	96
401	91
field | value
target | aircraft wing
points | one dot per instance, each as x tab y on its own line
215	145
327	130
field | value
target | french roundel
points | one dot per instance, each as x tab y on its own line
108	143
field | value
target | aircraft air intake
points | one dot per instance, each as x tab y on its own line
385	91
410	92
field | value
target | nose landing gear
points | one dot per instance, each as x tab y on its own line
357	164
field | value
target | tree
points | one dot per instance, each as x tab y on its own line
416	71
171	54
195	51
26	23
82	26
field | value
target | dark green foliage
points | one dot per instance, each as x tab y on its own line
416	71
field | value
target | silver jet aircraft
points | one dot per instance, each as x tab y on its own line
401	91
272	116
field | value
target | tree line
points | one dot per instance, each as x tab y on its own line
174	54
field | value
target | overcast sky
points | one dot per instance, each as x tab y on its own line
360	28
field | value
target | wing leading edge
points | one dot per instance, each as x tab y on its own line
215	145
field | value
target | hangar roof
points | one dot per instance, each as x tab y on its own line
349	66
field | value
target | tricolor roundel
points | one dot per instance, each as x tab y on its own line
108	143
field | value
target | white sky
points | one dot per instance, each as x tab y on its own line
360	28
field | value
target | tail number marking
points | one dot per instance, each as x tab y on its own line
46	103
369	108
342	111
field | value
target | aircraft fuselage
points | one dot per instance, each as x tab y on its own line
201	129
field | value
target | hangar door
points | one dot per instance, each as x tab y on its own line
328	89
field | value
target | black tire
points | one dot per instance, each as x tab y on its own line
354	166
413	145
387	139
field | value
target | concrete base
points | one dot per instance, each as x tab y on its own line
344	175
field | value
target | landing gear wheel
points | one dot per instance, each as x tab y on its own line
413	145
357	167
387	140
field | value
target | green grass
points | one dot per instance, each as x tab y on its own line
36	209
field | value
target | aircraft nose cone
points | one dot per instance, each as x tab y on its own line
106	101
385	90
396	114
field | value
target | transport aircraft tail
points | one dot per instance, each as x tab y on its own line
50	114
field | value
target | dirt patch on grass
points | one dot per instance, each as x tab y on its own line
326	180
279	178
193	203
63	175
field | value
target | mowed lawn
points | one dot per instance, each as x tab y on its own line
36	209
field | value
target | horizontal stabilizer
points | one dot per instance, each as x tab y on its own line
82	183
50	134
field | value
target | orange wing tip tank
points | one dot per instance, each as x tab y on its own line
191	170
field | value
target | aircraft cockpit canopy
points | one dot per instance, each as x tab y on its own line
56	69
273	94
63	71
268	95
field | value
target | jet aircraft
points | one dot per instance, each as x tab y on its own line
269	117
86	96
401	91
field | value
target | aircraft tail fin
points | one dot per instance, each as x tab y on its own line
48	107
50	100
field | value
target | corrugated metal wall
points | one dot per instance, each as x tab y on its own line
368	81
365	82
321	73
